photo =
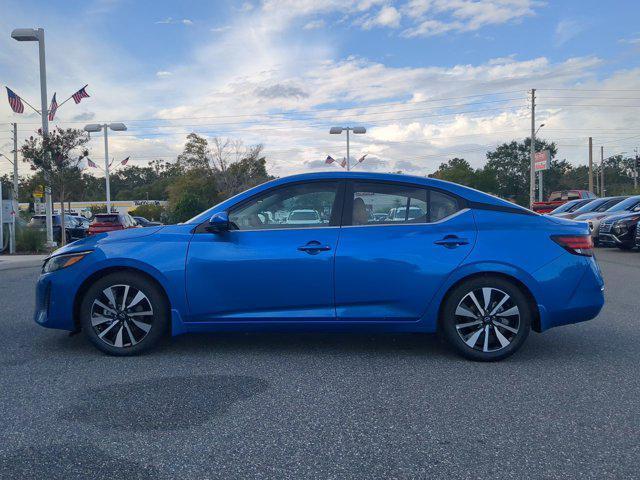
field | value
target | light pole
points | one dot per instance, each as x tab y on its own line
355	130
96	127
540	190
37	35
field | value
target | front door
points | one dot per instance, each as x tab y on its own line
398	245
277	263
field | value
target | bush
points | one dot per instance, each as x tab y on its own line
150	212
30	240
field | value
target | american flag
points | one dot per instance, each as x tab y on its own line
91	163
15	101
80	94
329	160
361	159
53	108
124	162
343	163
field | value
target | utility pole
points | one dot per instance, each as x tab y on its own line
591	164
532	176
635	170
602	171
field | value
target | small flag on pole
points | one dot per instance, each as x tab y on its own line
15	101
329	160
91	163
53	108
361	159
124	162
343	163
80	94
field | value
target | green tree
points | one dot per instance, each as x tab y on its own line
510	164
59	156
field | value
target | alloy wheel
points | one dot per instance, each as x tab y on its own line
121	316
487	319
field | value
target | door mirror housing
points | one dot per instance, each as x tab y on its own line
219	222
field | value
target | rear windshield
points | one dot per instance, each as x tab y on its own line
37	221
626	204
114	219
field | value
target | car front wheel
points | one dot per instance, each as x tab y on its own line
486	318
124	313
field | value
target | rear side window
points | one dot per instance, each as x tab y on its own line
375	203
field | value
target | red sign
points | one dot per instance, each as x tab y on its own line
541	160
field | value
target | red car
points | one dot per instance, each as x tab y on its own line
559	198
108	222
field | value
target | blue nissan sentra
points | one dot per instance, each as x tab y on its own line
339	251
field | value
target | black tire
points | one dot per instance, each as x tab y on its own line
126	322
452	326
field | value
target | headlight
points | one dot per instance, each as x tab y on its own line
58	262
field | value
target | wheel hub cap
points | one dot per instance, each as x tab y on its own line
487	319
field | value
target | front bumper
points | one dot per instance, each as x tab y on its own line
54	301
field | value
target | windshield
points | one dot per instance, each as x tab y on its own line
566	206
626	204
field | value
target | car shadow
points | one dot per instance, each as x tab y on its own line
166	403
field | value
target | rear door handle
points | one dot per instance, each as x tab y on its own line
314	247
452	241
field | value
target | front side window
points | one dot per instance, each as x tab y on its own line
296	206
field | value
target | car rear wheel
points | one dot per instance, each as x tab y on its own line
124	313
486	318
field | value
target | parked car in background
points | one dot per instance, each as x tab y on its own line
570	206
82	221
108	222
619	231
143	222
629	204
73	229
303	217
479	270
559	198
596	205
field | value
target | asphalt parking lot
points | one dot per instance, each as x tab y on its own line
322	406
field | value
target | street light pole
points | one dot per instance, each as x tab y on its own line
106	166
355	130
37	35
96	127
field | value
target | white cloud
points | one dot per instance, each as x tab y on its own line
221	29
163	73
567	30
172	21
388	16
435	17
314	24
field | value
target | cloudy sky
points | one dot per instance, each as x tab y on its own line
430	79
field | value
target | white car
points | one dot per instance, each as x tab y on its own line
303	217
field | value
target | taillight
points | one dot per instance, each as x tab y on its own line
575	244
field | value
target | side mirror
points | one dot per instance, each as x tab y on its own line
219	223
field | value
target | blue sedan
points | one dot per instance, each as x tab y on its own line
339	251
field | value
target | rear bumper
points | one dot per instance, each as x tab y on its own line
573	291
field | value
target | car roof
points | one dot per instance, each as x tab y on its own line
467	193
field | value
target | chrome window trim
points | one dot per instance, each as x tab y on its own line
408	224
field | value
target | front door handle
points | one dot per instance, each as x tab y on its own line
452	241
314	247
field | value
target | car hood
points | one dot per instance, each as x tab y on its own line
93	241
591	216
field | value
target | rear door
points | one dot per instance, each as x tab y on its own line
390	268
